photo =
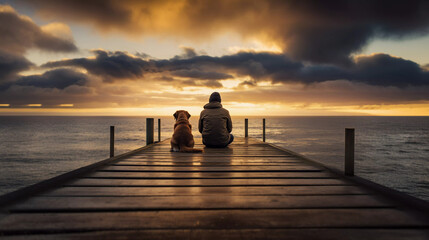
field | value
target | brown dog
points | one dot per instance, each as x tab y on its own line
183	140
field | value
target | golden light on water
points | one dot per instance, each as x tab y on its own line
235	109
66	105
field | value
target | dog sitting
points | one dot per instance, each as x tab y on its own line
183	140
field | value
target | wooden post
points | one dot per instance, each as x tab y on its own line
246	127
263	129
112	141
159	130
149	131
349	157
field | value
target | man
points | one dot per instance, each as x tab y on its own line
215	123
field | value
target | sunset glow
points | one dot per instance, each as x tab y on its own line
264	57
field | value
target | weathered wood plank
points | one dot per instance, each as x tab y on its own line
206	182
233	234
218	191
209	175
217	160
178	155
76	204
212	169
200	157
218	153
206	164
238	149
221	219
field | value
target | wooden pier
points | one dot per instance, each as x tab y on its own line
249	190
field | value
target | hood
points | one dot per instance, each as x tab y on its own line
212	105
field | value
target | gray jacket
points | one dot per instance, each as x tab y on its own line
215	124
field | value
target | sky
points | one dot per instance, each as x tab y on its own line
273	57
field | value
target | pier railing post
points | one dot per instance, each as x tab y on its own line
159	130
349	156
149	130
263	129
112	141
246	127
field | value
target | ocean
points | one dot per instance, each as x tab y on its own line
392	151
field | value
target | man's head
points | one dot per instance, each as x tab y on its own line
215	97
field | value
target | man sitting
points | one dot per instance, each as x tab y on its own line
215	123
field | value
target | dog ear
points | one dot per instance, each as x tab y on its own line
175	115
187	114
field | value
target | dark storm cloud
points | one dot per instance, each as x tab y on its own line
112	66
57	78
385	70
311	30
201	74
11	65
104	13
379	69
19	34
260	66
108	65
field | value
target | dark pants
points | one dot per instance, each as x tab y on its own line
231	139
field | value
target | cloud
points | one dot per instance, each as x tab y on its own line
59	30
370	79
312	30
377	69
330	93
57	78
110	66
11	65
385	70
201	74
19	33
187	53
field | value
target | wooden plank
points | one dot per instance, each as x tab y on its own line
212	169
205	160
238	148
206	164
218	191
205	182
254	148
201	157
233	234
221	219
178	155
82	204
230	148
209	175
221	153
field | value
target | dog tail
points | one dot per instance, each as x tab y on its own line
190	150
